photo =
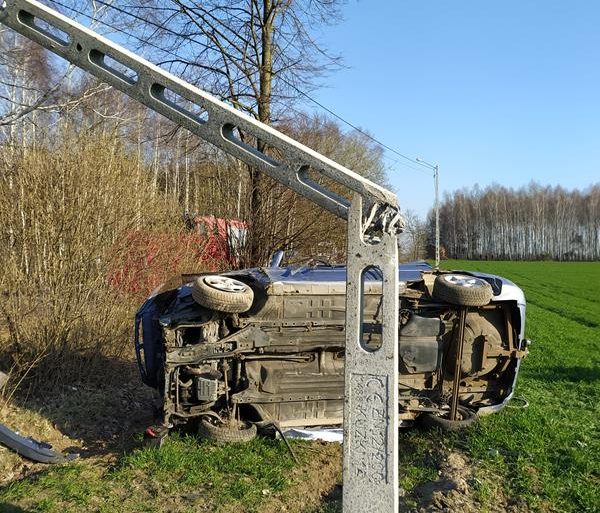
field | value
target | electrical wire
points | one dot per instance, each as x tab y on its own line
354	127
413	161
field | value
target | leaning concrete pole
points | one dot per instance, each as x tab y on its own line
374	221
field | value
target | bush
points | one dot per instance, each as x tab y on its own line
62	213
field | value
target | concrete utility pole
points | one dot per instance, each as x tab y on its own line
436	183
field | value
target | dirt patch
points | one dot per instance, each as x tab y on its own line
450	490
98	423
455	490
316	480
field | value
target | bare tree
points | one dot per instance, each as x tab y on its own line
258	55
25	73
414	238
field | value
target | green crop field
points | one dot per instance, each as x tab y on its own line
549	453
545	457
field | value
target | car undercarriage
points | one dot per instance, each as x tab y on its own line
282	359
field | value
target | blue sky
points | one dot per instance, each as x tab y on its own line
505	91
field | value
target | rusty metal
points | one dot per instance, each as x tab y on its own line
509	329
460	340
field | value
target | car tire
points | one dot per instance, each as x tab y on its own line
462	290
213	430
222	293
467	418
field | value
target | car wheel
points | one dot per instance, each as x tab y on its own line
466	418
222	293
462	290
213	430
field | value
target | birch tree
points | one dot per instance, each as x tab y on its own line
261	56
533	222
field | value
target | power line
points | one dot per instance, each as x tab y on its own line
397	161
287	82
366	134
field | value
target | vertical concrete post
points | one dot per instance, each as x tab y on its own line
371	379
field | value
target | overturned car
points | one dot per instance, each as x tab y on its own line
263	345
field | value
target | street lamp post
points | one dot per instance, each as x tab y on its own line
436	181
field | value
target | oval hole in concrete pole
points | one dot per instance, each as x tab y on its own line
371	289
43	27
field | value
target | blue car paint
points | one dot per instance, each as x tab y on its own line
148	342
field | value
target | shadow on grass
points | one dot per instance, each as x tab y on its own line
332	501
575	374
11	508
104	413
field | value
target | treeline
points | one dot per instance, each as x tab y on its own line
531	223
76	184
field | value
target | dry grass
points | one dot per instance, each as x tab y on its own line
63	217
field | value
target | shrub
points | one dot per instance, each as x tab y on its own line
62	213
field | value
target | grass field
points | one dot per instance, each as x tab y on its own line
549	453
545	457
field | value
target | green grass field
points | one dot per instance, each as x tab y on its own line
185	475
545	457
549	453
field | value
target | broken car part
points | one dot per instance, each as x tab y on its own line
32	449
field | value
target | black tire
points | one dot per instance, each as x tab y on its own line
466	419
222	293
211	429
462	290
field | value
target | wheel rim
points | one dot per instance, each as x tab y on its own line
225	284
462	281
